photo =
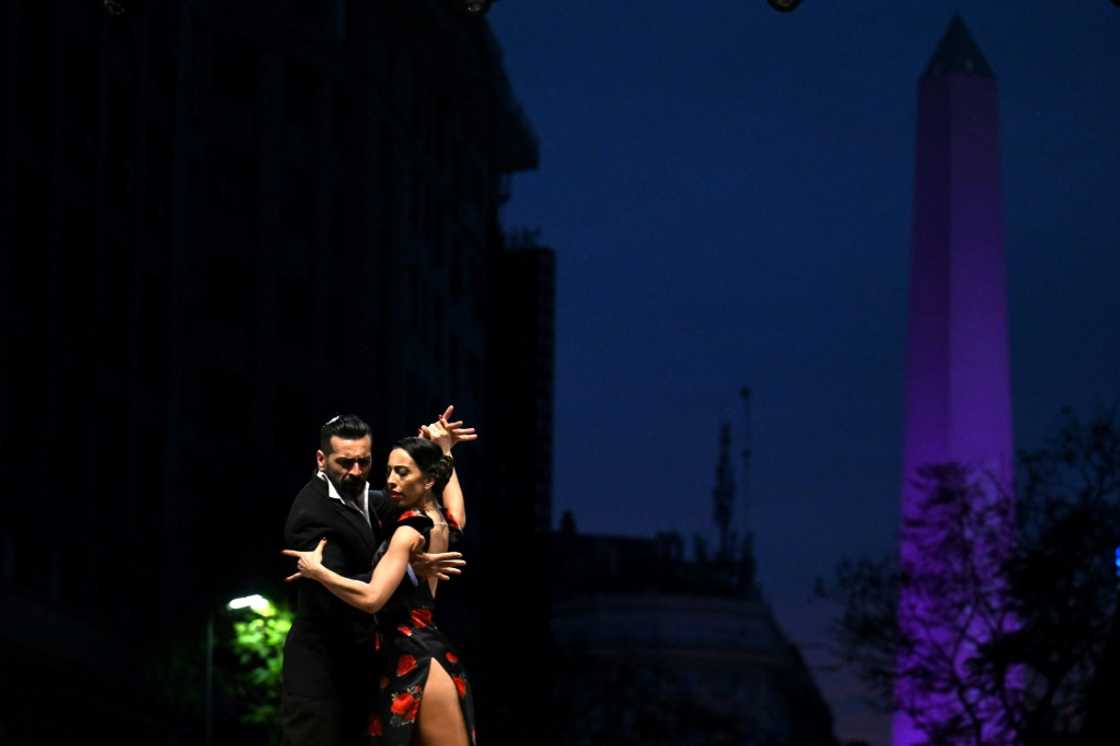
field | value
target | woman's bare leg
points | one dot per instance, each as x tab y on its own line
440	722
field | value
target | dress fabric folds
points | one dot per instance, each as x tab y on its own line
410	640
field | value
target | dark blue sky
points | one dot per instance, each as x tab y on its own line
728	190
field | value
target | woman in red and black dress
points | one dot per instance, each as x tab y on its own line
424	690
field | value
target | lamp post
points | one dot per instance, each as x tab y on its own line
256	603
209	735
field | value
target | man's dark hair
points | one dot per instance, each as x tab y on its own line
346	426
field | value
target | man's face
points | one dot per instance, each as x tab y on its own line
347	465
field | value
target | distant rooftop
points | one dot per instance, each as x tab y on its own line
958	54
594	563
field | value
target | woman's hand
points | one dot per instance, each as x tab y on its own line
441	566
310	563
447	434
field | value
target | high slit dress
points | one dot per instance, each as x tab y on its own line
409	640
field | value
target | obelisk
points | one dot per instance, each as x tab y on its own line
958	402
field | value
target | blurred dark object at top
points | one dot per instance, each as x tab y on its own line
121	7
476	7
784	6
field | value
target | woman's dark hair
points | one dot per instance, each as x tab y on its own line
345	426
429	459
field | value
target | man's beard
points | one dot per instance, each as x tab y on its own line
349	487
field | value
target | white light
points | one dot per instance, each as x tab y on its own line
256	602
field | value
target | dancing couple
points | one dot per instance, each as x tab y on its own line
351	677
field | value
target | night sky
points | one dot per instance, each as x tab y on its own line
728	190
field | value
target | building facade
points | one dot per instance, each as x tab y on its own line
508	578
224	223
654	647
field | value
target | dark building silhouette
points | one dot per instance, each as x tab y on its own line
223	223
515	508
524	371
653	646
646	635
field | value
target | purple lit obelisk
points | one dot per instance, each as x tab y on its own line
958	406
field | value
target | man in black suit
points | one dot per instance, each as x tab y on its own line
329	656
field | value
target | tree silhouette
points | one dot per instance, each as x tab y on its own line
1034	620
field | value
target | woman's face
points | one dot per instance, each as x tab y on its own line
404	482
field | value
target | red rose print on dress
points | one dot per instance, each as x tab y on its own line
384	683
450	520
405	706
406	631
461	685
409	514
405	664
451	657
375	725
421	617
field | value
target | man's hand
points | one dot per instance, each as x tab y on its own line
442	565
309	562
447	434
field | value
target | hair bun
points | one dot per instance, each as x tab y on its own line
441	470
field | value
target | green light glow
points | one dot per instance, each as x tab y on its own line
258	643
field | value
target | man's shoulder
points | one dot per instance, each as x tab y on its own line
312	494
310	507
316	486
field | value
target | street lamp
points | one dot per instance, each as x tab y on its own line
256	603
